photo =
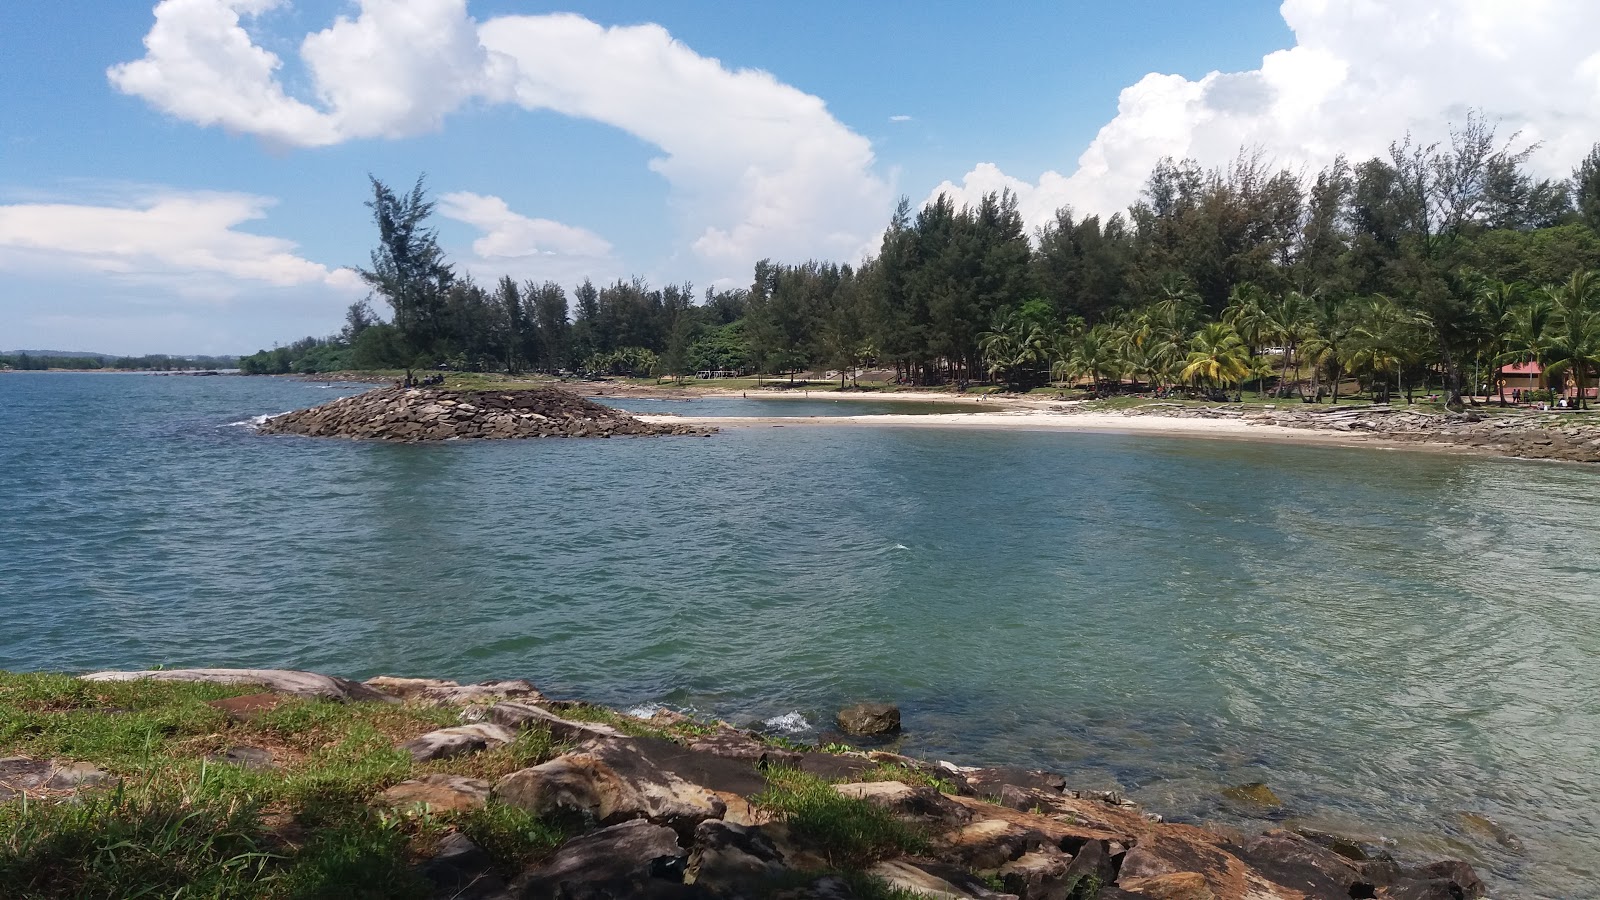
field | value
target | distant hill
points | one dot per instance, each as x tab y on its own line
75	354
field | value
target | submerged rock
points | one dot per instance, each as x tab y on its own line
417	414
870	719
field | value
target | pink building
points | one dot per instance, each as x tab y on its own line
1526	377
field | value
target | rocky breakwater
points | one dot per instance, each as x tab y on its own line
422	414
669	806
1569	437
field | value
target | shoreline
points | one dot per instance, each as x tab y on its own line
742	812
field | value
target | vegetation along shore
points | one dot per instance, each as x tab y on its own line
270	783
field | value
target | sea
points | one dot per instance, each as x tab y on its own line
1401	644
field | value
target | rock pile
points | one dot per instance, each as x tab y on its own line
1530	436
681	815
421	414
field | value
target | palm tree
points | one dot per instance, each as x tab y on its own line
1372	344
1498	301
1324	345
1090	352
1246	316
1575	348
1528	337
1216	357
1013	343
1289	321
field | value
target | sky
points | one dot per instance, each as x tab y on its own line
189	176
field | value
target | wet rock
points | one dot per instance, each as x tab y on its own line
732	860
1093	862
916	803
436	692
621	861
461	870
283	681
439	793
1484	827
1253	794
870	719
461	740
524	716
252	758
248	707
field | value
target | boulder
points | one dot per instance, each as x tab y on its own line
989	782
523	716
622	860
990	843
461	870
436	692
438	793
611	783
1038	875
732	860
1254	794
1295	862
460	740
1176	886
870	719
283	681
730	744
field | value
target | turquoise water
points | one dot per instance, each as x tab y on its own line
789	407
1386	638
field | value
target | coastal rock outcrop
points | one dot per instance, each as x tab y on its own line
423	414
282	681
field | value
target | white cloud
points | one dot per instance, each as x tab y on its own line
1360	75
509	235
757	167
176	235
899	118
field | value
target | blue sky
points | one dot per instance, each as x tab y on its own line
190	196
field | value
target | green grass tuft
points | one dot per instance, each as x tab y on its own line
848	832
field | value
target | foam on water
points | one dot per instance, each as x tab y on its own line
788	723
253	421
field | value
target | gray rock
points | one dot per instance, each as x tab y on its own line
461	870
437	793
461	740
870	719
283	681
436	692
608	783
252	758
731	859
623	858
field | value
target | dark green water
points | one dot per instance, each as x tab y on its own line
1387	639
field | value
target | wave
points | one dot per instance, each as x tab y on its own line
253	421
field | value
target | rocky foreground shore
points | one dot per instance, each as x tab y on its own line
423	414
673	807
1555	436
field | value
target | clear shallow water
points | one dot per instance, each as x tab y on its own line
788	407
1384	638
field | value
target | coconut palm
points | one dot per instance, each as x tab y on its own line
1289	322
1372	343
1013	343
1322	348
1575	345
1089	351
1246	315
1498	302
1217	357
1528	337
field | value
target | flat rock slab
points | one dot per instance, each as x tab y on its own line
21	775
610	782
437	692
283	681
462	740
523	716
249	707
252	758
439	793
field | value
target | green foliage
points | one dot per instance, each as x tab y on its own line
848	832
513	837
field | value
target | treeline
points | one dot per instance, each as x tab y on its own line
155	362
1378	268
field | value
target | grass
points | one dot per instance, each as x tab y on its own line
848	832
177	824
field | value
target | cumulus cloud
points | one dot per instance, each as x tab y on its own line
1361	74
510	235
173	234
757	167
900	118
